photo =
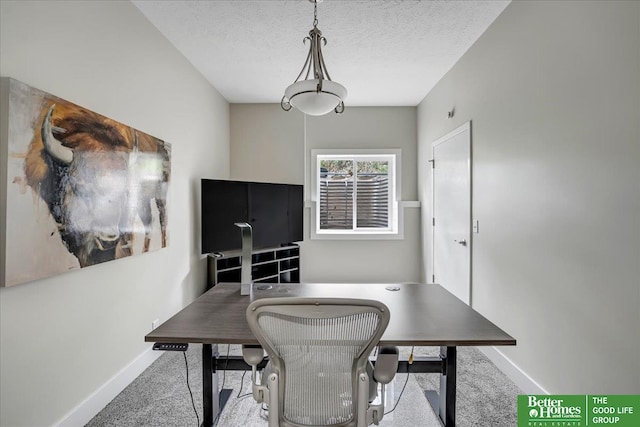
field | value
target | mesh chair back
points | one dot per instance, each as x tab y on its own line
318	347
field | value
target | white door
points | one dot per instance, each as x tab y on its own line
452	212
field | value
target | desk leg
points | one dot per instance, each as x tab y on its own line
444	403
448	387
209	386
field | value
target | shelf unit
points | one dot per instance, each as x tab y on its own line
274	265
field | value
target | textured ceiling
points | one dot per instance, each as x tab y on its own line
386	52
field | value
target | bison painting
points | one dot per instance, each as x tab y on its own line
104	184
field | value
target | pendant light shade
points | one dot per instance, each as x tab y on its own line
305	97
317	95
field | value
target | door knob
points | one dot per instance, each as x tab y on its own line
461	242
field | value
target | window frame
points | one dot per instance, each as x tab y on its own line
393	156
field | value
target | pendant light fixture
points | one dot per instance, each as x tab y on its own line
317	95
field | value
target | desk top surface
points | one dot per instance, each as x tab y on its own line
421	315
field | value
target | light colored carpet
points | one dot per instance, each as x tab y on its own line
159	396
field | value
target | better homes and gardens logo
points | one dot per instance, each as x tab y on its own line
554	410
578	410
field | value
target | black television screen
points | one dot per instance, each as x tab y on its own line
274	211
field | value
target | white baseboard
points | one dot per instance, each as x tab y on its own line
89	408
512	371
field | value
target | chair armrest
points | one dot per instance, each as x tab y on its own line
386	365
252	354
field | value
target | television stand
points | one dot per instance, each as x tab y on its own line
273	265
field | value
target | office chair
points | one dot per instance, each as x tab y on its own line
319	352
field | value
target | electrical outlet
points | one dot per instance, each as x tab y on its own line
155	324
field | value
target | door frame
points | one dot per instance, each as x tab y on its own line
460	129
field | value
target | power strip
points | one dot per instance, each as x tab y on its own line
170	346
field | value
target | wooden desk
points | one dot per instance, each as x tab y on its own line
421	315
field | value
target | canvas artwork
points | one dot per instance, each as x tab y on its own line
80	188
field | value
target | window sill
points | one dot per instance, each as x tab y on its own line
387	235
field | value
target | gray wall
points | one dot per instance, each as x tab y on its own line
552	89
268	144
64	337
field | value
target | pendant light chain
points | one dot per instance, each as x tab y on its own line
315	13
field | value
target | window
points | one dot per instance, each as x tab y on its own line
355	192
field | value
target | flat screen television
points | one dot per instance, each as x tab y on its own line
275	212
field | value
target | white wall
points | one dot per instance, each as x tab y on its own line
268	144
64	337
553	93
